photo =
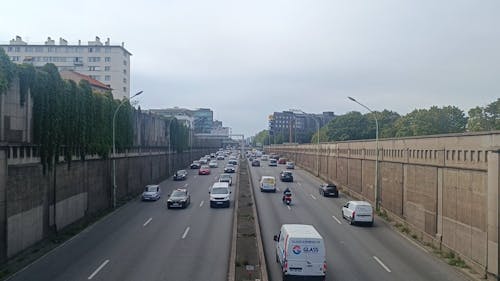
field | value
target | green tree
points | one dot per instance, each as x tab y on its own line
448	119
261	137
484	118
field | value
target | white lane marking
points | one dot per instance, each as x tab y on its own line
335	218
201	203
299	183
186	185
148	221
289	207
98	269
277	188
312	196
185	232
382	264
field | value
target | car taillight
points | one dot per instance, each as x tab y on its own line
324	267
285	267
353	214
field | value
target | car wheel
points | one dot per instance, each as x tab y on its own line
168	206
277	258
370	223
351	221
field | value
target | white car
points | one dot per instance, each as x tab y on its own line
213	164
268	183
358	212
220	195
151	193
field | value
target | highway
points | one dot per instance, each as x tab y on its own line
353	252
146	241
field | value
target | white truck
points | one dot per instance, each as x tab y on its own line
300	250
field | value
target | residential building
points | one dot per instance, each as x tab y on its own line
296	125
203	120
106	63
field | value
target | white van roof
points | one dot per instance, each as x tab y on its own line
361	203
301	231
220	184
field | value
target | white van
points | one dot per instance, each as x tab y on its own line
220	195
300	250
358	211
268	183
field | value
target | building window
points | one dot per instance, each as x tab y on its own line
125	89
94	59
17	49
107	78
107	68
124	62
91	50
94	68
107	59
14	58
124	80
125	71
10	49
50	49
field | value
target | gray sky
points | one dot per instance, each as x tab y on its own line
247	59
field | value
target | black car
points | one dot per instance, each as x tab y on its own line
286	176
180	175
229	168
255	163
180	198
329	189
195	165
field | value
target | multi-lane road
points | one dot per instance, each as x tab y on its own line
353	252
146	241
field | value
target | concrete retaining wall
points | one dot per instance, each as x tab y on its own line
444	187
34	205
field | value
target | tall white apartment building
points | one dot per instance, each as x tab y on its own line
109	64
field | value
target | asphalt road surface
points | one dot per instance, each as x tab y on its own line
147	241
353	252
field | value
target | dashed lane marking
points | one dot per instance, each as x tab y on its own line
185	232
98	269
382	264
148	221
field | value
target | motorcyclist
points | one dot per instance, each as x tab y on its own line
286	193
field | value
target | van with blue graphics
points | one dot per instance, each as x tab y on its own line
300	250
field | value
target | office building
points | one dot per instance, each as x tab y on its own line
296	125
106	63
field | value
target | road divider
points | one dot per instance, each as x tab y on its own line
97	270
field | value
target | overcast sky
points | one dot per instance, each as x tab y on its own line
247	59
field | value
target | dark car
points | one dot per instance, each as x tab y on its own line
180	198
255	163
180	175
286	176
195	165
282	161
229	168
329	189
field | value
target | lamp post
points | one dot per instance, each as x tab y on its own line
377	199
114	147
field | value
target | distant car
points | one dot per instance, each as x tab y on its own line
290	165
180	175
328	189
220	157
282	161
151	193
267	183
226	178
232	161
358	212
180	198
255	163
204	170
203	161
264	157
195	165
213	164
286	176
229	168
273	163
212	155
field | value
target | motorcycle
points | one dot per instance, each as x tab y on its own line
287	199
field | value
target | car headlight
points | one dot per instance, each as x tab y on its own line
183	200
169	200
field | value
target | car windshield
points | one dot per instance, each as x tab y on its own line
225	177
152	188
220	190
204	167
178	193
229	165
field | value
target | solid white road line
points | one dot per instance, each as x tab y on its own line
98	269
201	203
185	232
289	207
335	218
148	221
382	264
313	197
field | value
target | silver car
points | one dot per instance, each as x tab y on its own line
151	193
226	178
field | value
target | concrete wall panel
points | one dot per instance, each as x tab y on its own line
24	229
70	210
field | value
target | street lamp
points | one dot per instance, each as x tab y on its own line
377	199
114	147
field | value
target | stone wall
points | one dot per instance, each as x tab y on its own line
34	205
445	187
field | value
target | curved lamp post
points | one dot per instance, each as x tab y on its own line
114	147
377	196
